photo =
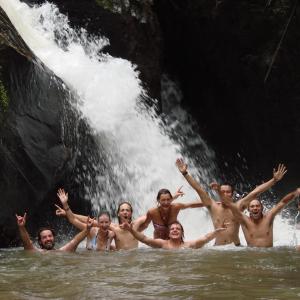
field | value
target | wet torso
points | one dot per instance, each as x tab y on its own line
259	233
221	215
161	219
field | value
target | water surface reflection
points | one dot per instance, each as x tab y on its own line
210	273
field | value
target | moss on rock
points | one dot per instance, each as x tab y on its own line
4	100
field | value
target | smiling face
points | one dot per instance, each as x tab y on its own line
46	239
124	213
104	222
176	231
165	200
255	209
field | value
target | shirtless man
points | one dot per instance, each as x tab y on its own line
166	212
123	239
258	227
221	214
99	237
46	237
176	237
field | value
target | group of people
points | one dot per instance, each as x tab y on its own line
226	216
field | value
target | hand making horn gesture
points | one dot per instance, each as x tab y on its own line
21	221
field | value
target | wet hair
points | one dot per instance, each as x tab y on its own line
162	192
104	213
119	207
229	184
182	230
43	229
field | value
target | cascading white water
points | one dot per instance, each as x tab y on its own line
141	152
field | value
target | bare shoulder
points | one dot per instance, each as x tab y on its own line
153	211
111	234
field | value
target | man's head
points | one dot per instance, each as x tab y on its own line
176	231
46	238
124	212
255	209
104	221
227	189
164	198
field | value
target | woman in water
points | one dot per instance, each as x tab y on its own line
166	213
100	236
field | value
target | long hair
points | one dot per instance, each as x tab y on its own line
162	192
119	207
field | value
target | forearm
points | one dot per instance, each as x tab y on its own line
27	243
138	235
197	187
73	244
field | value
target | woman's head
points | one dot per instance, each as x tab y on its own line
104	221
164	198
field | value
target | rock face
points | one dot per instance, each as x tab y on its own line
43	141
237	63
37	149
243	92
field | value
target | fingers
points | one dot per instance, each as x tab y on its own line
59	208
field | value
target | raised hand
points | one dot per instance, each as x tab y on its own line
215	186
179	193
21	221
89	223
280	172
181	165
126	226
63	196
60	212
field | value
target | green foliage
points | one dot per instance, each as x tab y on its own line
4	100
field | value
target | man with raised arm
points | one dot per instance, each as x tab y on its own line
219	212
176	237
258	227
46	237
123	238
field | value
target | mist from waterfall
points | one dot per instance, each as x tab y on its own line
141	148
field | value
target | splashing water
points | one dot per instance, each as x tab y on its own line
141	151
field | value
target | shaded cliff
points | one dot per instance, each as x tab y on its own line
238	65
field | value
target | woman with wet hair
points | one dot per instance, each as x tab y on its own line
166	212
100	236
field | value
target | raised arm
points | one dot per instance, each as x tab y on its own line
27	243
277	176
141	223
283	202
155	243
182	167
79	237
63	197
207	238
180	206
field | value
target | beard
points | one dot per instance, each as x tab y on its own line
48	246
256	216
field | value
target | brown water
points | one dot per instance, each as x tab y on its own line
208	273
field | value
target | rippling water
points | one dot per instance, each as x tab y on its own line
209	273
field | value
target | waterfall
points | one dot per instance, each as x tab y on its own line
141	147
